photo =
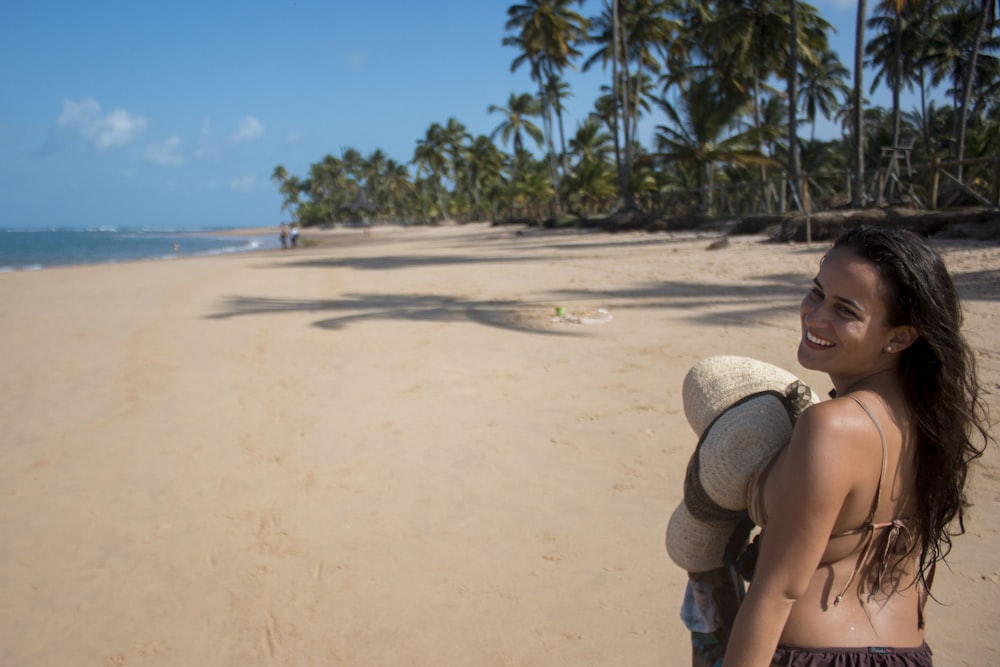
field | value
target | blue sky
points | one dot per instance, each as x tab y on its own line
175	115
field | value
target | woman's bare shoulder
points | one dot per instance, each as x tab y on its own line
832	436
840	419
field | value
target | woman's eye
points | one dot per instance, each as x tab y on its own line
816	293
844	310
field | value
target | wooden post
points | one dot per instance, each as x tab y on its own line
996	181
935	177
807	205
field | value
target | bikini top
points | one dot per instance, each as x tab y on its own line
755	507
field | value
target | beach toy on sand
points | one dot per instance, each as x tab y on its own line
599	316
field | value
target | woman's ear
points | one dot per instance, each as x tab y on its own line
902	338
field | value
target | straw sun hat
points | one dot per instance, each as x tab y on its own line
743	410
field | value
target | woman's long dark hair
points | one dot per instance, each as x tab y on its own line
939	382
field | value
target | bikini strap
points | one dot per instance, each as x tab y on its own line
869	525
885	456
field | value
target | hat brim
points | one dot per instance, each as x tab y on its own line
715	384
696	545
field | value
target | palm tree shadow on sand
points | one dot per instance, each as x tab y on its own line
711	304
525	317
768	298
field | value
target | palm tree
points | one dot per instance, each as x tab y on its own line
823	87
534	188
290	188
485	168
823	162
556	90
591	179
398	188
924	20
749	41
630	33
353	164
699	135
894	52
591	143
453	138
516	123
546	32
373	169
429	156
326	188
987	14
588	185
279	175
959	35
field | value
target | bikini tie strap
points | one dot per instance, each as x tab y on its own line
898	527
870	522
862	557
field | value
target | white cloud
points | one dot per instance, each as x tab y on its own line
167	152
243	184
249	128
104	130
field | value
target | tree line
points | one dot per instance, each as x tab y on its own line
735	87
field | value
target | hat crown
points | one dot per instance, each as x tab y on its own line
715	384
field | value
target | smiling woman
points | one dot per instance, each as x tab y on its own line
845	567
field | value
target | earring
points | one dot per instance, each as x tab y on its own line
888	348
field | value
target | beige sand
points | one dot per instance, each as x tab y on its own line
384	452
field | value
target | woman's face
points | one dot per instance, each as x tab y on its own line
845	328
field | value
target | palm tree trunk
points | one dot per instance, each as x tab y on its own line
898	82
617	93
793	99
423	199
710	183
857	191
547	127
758	123
925	126
633	129
562	142
970	75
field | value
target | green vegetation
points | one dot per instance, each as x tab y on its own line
715	78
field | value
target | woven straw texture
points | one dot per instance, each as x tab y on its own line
744	411
716	383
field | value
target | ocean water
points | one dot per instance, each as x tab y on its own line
33	249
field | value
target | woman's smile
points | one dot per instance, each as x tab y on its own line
815	341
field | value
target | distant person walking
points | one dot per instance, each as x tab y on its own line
283	235
294	235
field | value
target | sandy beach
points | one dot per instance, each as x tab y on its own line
384	451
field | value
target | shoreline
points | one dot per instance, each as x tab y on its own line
384	450
48	249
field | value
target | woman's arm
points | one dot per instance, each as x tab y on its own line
806	488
